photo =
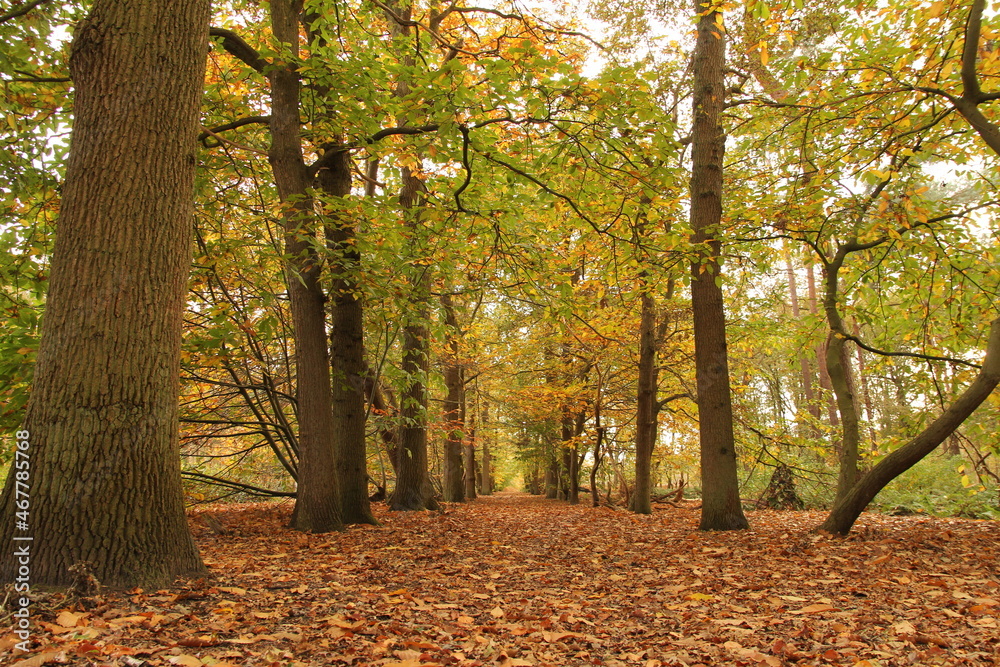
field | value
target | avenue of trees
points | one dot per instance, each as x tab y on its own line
335	248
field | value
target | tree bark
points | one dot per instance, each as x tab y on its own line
413	487
485	470
453	484
849	507
469	417
348	368
838	367
646	412
317	503
101	431
721	508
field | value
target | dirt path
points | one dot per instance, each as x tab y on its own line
518	580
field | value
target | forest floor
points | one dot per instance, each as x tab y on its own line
517	580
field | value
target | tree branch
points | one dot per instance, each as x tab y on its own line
235	46
21	11
970	53
912	355
239	486
249	120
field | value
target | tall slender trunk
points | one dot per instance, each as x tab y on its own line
838	366
413	487
470	448
97	478
317	505
721	508
485	469
453	484
347	345
824	374
646	412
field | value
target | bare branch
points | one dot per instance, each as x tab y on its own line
21	11
250	120
912	355
237	486
235	46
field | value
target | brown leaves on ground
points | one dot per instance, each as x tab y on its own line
516	580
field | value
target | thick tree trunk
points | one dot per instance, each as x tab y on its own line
101	459
721	508
849	507
347	347
317	503
646	412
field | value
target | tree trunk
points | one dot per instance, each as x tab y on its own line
470	453
552	479
485	472
347	346
453	484
721	508
101	433
317	503
646	412
838	367
824	375
849	507
413	486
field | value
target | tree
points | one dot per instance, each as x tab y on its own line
453	483
721	508
104	473
849	507
317	505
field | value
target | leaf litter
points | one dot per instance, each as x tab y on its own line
515	580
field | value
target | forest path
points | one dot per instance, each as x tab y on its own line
514	580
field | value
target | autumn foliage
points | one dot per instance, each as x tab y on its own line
517	580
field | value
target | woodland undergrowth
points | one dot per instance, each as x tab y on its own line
517	580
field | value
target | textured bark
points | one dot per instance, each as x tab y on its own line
849	507
721	508
317	504
105	484
646	412
348	368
